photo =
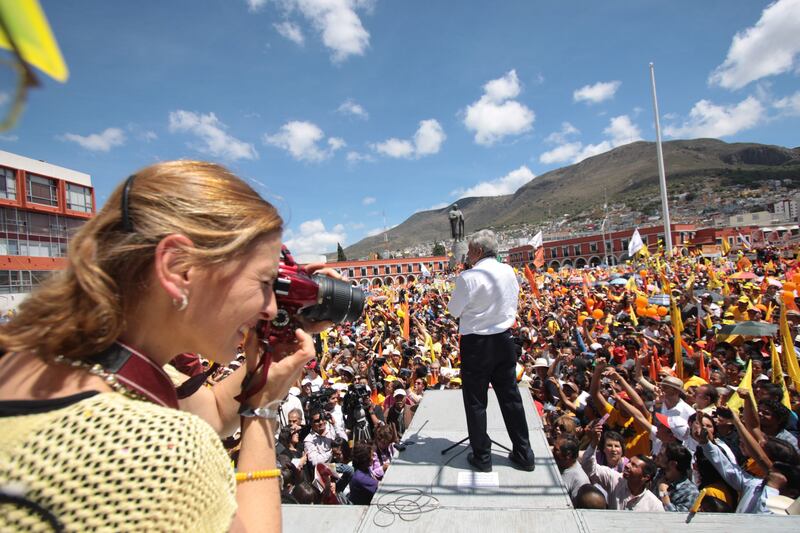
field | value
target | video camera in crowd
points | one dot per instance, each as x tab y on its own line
320	400
315	297
355	416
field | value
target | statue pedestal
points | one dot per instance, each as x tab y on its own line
458	249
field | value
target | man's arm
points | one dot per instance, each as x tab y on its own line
731	473
459	298
608	478
594	387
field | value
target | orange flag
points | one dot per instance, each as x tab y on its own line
406	321
702	368
538	257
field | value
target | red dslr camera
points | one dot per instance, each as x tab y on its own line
316	298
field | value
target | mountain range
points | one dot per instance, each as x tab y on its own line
627	174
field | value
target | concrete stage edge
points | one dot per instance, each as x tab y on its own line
426	491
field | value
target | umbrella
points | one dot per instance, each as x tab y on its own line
743	275
619	281
749	328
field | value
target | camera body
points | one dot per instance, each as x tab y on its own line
315	297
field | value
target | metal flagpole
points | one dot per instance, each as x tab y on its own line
662	179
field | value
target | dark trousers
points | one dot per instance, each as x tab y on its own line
491	359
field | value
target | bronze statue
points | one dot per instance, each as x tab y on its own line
456	223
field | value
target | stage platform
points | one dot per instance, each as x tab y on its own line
426	491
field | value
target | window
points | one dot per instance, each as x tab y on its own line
409	267
593	247
12	281
625	244
351	273
441	266
374	271
8	183
577	249
553	252
79	198
565	251
363	271
41	190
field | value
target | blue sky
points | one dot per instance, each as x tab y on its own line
345	111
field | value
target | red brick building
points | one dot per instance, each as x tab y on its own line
588	249
379	272
41	205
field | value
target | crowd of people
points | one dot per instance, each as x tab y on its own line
664	385
638	418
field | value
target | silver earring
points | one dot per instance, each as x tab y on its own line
181	304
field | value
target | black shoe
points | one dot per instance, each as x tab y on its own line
519	464
480	467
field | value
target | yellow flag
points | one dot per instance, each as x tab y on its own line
787	348
323	335
367	321
736	401
777	374
726	247
634	318
677	328
31	32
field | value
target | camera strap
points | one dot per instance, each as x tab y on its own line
254	381
137	373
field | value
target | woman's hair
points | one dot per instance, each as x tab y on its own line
385	434
362	456
81	311
615	436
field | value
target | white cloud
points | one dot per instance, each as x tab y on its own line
505	185
561	154
368	200
374	231
215	141
707	119
349	107
599	92
620	130
428	140
496	115
256	5
394	148
312	241
766	49
789	105
336	21
356	157
98	142
291	31
149	136
300	139
560	137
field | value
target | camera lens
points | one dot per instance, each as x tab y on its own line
338	301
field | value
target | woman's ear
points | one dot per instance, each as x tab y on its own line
171	267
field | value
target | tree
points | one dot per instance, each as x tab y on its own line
438	249
340	253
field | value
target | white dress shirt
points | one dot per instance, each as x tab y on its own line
485	298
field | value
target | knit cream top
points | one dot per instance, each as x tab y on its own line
110	463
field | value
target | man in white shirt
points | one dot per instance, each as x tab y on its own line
627	491
485	300
672	387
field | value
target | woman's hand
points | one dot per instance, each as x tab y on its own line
287	365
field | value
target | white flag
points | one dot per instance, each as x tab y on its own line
536	242
425	272
636	243
744	241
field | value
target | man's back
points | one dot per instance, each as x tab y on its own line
485	298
